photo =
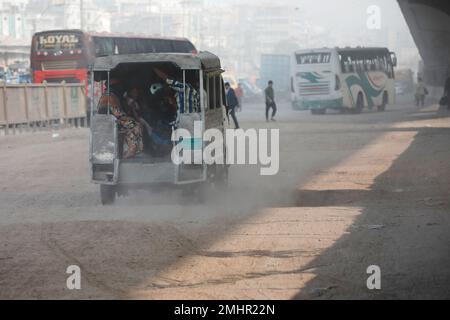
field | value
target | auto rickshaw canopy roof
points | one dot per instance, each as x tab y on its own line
203	61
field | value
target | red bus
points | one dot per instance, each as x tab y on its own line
64	55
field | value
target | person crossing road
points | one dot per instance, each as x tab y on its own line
232	103
270	101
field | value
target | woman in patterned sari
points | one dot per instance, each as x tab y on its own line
129	127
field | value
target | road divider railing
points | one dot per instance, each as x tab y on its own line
25	107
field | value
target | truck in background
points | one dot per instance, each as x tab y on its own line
404	81
276	67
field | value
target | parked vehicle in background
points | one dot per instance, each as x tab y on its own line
15	72
11	77
251	91
404	81
64	55
348	79
2	73
276	67
24	76
231	79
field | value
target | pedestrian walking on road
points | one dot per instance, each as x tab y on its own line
270	101
232	103
421	92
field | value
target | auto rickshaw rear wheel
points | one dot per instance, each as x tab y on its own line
218	176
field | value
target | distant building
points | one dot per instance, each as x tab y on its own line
12	22
274	23
87	16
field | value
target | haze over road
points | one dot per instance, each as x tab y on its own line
347	196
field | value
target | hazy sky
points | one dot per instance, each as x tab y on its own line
341	14
348	13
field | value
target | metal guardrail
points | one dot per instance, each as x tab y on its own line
41	106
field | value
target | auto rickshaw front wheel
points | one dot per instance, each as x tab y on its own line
107	194
218	176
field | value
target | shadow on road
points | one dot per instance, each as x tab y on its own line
410	241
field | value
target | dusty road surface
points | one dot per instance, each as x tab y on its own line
352	191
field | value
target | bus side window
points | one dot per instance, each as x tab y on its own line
148	46
351	64
130	44
377	64
163	45
351	67
369	64
359	65
362	65
176	47
182	46
140	46
121	46
103	46
384	64
342	63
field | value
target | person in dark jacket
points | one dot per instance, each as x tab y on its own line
232	103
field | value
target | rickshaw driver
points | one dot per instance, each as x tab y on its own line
128	126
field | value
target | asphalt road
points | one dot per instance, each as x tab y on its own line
352	191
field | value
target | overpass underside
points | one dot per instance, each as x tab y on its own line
429	22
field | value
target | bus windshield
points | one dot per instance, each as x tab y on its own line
58	41
366	60
313	58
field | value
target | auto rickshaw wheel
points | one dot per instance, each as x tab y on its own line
222	179
219	176
107	194
194	193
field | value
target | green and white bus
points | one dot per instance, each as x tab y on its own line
348	79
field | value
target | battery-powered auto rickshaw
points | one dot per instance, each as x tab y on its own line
154	166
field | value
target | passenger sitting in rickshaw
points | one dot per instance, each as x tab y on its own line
180	88
129	127
162	118
135	109
190	112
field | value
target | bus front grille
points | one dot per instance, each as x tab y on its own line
59	65
314	89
